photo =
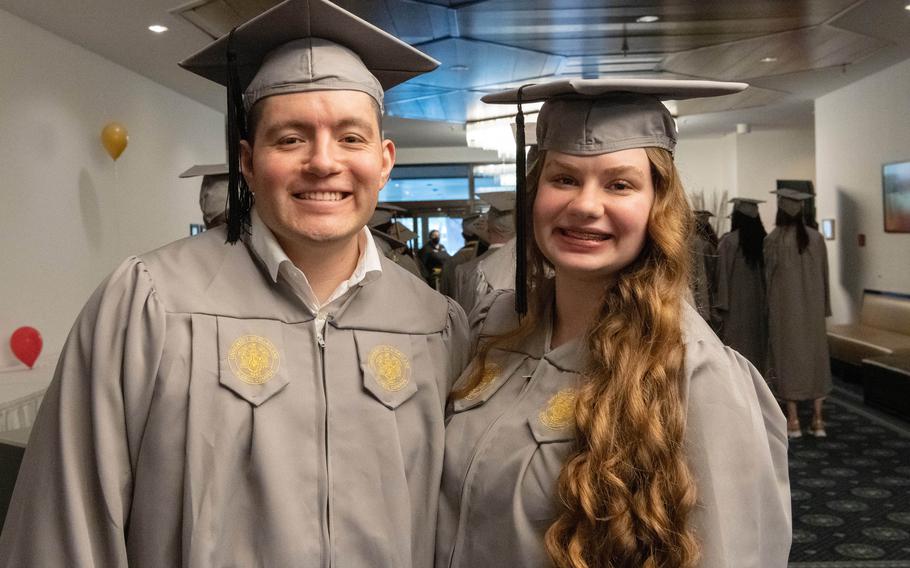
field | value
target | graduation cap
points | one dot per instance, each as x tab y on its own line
500	217
213	194
400	232
703	213
588	117
746	206
791	200
298	46
384	213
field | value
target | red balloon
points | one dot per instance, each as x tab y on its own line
26	345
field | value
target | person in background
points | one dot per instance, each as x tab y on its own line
704	264
473	247
393	241
796	273
607	425
741	300
213	194
433	256
270	392
495	269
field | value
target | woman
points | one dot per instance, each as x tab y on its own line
740	299
796	269
609	426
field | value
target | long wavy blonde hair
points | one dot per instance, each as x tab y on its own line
626	491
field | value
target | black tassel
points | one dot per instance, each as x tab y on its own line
240	198
521	214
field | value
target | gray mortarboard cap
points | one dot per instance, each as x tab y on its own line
395	243
310	45
384	213
400	232
213	194
503	201
596	116
791	200
499	217
746	206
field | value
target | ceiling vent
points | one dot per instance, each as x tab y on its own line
217	17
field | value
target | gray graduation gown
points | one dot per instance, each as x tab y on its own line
507	440
194	420
741	302
798	302
493	272
449	280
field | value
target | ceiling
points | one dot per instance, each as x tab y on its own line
809	47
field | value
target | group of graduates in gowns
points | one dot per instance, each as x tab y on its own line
769	300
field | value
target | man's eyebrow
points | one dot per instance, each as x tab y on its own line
357	123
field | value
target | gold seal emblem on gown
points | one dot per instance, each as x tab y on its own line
253	359
390	367
560	410
490	373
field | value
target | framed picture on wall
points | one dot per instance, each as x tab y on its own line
896	196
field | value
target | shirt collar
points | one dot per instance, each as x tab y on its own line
266	247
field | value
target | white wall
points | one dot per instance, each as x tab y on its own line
747	165
69	213
854	139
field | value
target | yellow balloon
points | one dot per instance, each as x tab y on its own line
115	138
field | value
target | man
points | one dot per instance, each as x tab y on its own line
495	269
213	193
279	402
433	255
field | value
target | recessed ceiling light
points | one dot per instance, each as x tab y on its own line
907	7
647	19
768	59
158	29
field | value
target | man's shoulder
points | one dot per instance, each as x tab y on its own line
397	302
204	273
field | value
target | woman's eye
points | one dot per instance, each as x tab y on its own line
563	180
620	185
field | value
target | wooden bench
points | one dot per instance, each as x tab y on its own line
883	329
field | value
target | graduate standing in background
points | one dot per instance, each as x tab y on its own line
608	425
276	399
495	268
796	272
741	300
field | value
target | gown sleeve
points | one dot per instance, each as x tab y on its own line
737	447
72	498
457	338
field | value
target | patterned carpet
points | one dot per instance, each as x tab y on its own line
851	491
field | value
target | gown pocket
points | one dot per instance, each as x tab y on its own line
251	358
386	363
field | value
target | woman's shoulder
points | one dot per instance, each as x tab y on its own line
494	314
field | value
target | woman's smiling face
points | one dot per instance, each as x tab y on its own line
591	212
